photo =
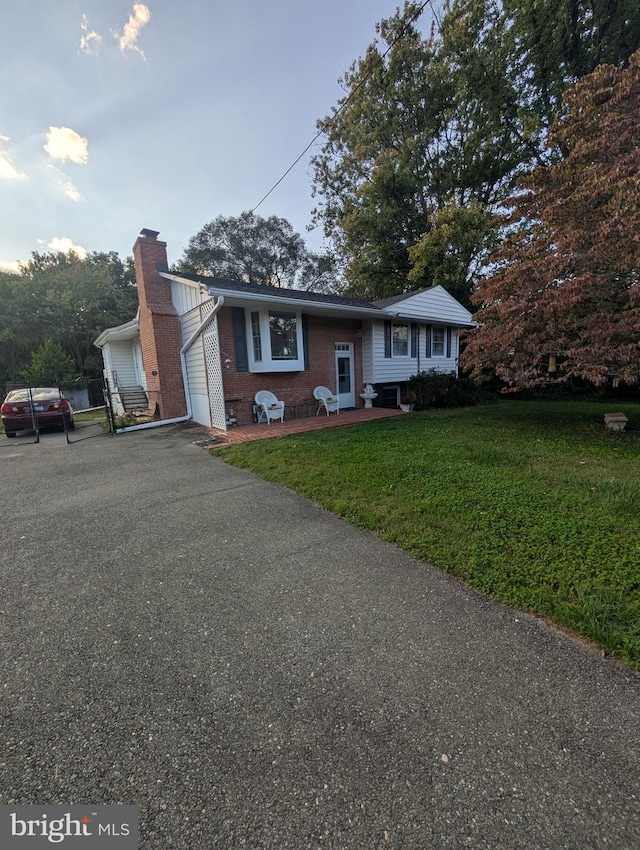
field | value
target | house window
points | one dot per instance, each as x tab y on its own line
255	335
437	342
283	335
276	341
400	340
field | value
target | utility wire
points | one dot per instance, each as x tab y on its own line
346	102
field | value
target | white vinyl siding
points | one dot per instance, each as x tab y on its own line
186	297
437	304
367	352
194	357
122	363
378	369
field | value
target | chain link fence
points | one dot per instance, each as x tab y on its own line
19	420
92	413
79	409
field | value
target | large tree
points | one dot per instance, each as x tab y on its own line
563	300
65	299
556	42
424	142
432	133
16	321
257	250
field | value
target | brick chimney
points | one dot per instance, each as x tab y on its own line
160	331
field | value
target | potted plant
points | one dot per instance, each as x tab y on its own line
408	402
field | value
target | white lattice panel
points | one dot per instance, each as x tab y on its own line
211	344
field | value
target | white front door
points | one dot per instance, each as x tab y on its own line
344	374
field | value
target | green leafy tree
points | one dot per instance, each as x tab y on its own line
556	42
564	297
79	298
16	325
425	140
65	299
258	250
451	253
433	133
49	365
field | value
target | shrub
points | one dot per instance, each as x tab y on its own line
444	389
125	420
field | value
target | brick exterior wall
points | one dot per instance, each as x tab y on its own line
160	332
291	387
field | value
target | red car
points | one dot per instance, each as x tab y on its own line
50	408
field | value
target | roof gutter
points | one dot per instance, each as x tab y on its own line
119	330
185	380
300	304
443	323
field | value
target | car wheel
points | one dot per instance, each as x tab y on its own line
72	425
9	433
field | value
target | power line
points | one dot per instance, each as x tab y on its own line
351	95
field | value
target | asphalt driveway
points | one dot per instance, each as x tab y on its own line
255	673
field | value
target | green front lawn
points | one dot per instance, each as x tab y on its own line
532	503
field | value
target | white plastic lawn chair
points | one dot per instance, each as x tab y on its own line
269	407
326	399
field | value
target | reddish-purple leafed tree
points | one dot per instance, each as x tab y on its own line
563	295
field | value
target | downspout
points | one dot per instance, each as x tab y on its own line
183	365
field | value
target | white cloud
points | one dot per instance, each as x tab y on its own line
140	16
65	185
65	144
72	193
64	245
8	171
9	267
91	40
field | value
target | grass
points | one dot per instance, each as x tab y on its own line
94	414
532	503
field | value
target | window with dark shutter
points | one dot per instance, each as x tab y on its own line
448	342
414	339
399	340
387	339
438	340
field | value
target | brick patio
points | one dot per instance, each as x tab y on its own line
249	433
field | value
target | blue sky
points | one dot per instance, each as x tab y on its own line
117	115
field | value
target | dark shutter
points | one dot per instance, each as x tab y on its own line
305	341
387	339
427	338
448	342
240	339
414	339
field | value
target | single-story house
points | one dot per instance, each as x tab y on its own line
200	347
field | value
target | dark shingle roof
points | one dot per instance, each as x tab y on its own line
276	291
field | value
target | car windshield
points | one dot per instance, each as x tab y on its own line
37	393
